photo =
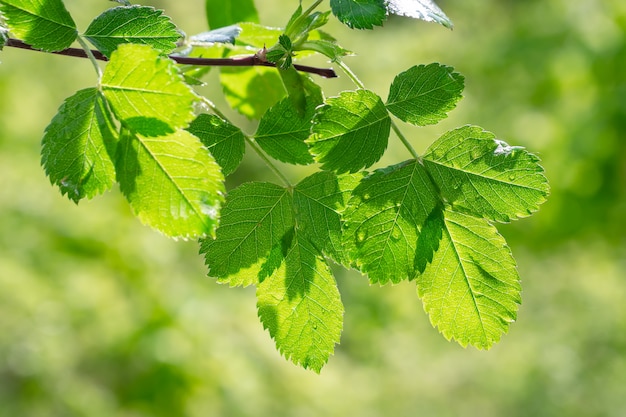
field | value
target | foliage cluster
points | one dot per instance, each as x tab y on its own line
428	219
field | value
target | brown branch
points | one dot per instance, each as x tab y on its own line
246	61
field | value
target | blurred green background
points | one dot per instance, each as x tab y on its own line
101	316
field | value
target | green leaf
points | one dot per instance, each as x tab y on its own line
359	14
79	146
299	304
468	282
222	13
383	220
423	95
350	132
171	182
256	218
44	24
320	199
258	36
225	141
486	177
419	9
326	47
146	91
282	131
134	24
251	91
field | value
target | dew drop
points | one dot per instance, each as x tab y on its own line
366	197
360	236
512	177
396	234
315	325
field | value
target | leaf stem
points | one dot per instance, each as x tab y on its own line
250	142
346	69
355	80
313	7
91	56
404	140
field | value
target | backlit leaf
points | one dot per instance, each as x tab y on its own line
350	132
79	146
299	304
146	91
383	221
171	182
256	218
222	13
468	283
319	200
134	24
251	91
225	141
423	95
282	131
484	176
359	14
44	24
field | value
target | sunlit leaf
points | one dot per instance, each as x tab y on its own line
251	91
146	91
468	282
44	24
419	9
282	131
486	177
350	132
299	304
134	24
319	200
256	218
424	94
225	141
383	220
171	182
359	14
222	13
79	146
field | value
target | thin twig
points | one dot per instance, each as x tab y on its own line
245	61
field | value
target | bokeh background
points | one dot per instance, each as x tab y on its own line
101	316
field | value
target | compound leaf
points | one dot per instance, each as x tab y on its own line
225	141
383	220
320	199
486	177
468	281
78	146
146	92
133	24
222	13
299	304
419	9
45	24
256	223
172	183
350	132
359	14
423	95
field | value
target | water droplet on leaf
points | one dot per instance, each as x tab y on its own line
360	236
512	177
